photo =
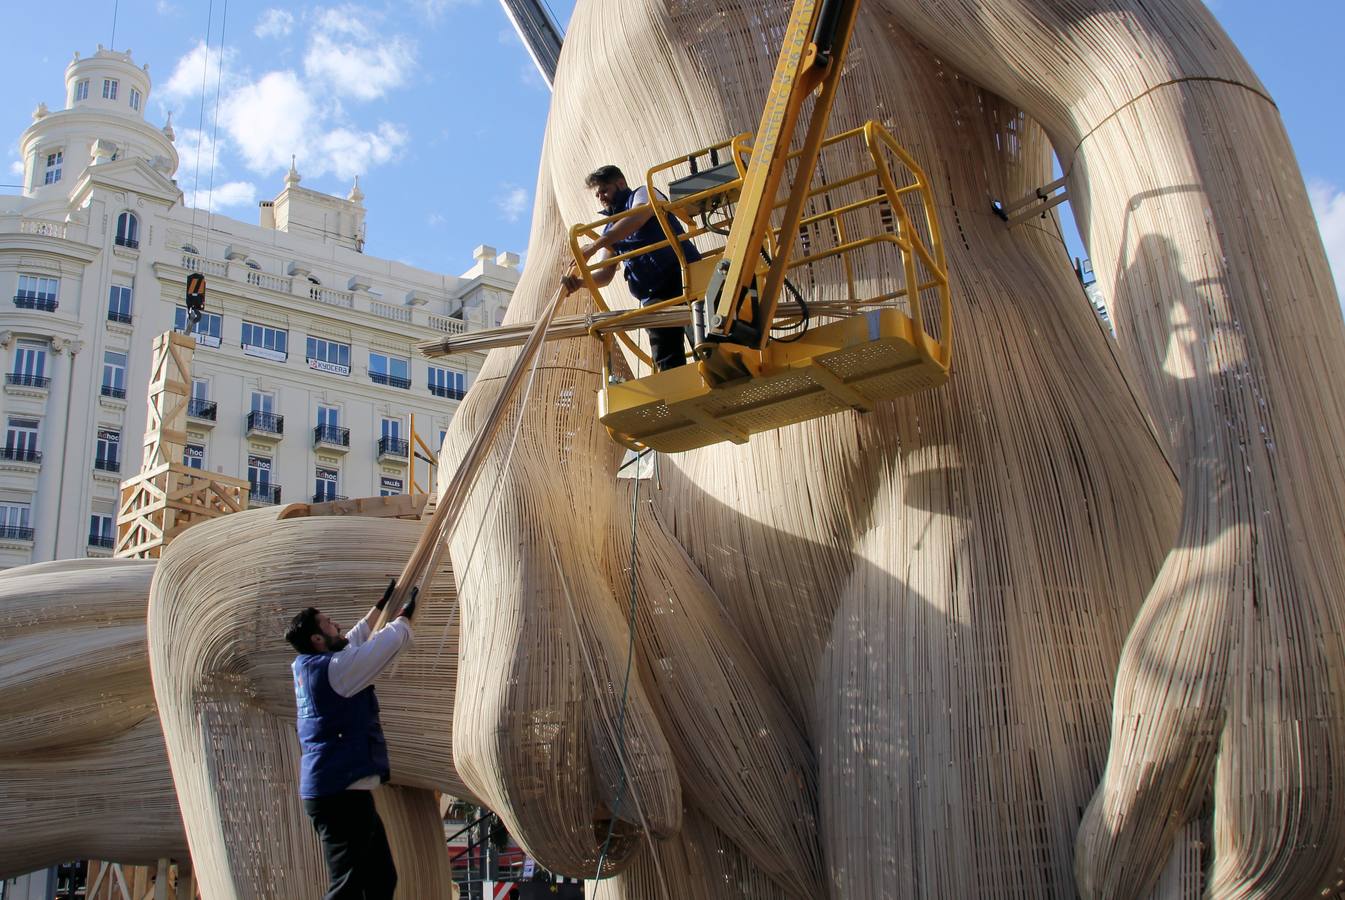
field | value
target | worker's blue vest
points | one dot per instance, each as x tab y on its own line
341	738
650	274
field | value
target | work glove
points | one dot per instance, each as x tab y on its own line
387	595
409	607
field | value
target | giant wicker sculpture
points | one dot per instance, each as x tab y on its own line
1086	575
1069	624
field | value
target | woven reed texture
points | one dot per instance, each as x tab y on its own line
219	606
83	770
937	595
897	654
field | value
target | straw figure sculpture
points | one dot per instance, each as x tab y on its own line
1068	625
219	606
83	770
83	766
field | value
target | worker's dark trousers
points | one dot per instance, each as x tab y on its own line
359	860
665	344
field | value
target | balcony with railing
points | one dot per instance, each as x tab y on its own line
443	390
20	454
23	379
43	302
331	437
116	393
129	243
396	381
202	410
102	541
424	306
117	316
107	463
265	494
16	533
391	449
265	425
324	497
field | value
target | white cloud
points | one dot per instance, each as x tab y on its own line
195	149
274	23
264	119
233	193
165	8
201	65
346	152
346	55
270	119
16	168
1329	205
512	202
434	220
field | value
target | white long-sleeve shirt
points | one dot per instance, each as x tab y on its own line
355	667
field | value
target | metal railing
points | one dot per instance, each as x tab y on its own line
129	242
107	463
269	423
16	532
115	316
390	446
324	497
24	380
44	302
396	381
117	393
264	493
443	390
21	454
331	434
106	541
201	408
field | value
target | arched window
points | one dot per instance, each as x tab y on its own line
128	230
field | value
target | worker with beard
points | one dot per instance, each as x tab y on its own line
345	757
652	276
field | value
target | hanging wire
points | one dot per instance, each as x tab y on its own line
200	121
214	131
112	44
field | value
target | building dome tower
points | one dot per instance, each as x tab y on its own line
103	121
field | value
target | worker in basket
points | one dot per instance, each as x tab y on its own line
652	276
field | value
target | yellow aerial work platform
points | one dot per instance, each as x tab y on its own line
851	364
869	240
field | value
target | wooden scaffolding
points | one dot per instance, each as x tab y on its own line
168	496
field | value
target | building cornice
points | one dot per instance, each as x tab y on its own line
72	250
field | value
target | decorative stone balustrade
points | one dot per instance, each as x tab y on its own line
281	283
333	297
388	311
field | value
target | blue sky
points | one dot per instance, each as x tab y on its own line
436	105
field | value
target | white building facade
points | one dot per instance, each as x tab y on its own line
305	375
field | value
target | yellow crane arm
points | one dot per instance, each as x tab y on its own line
810	61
